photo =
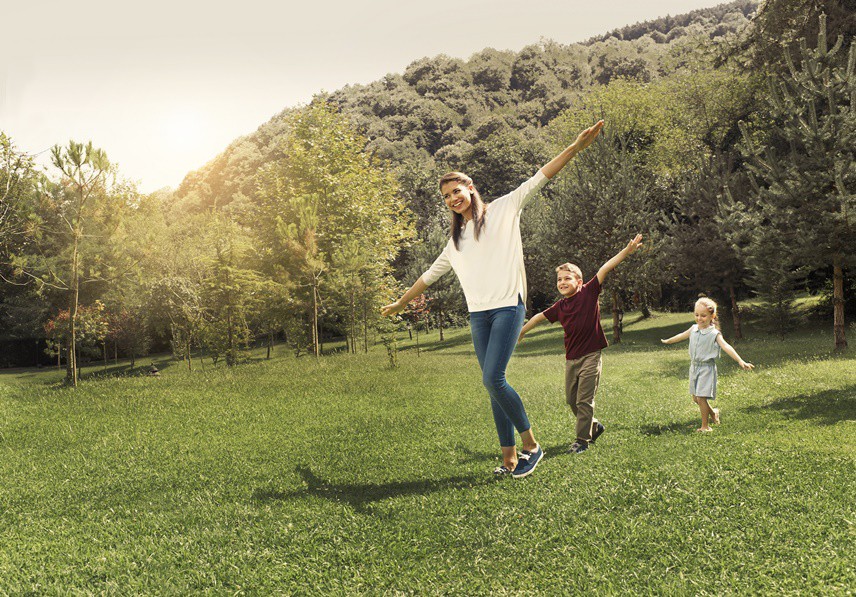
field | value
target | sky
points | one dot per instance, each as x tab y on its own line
164	86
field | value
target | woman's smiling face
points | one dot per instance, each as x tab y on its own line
458	198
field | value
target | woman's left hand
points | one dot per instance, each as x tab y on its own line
587	137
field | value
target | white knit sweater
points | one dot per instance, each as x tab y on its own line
491	269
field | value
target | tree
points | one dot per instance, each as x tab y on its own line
232	292
325	197
444	296
60	229
17	186
90	330
705	236
594	209
807	163
175	288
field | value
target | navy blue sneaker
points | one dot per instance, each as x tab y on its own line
597	430
578	447
526	463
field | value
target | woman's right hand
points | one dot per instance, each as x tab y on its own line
393	309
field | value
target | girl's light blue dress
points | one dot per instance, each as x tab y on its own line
703	354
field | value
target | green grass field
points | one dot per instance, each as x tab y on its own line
298	476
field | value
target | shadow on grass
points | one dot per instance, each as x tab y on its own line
94	372
824	408
361	495
677	428
454	342
550	451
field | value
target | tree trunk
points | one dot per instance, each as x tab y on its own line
270	343
232	352
735	313
104	348
838	303
315	343
440	321
616	318
365	327
71	372
646	308
352	341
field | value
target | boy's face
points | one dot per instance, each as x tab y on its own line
568	283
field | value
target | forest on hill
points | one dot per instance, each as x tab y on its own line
729	144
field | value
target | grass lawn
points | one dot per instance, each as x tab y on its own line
343	476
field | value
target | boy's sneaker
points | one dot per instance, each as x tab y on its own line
578	447
597	430
526	463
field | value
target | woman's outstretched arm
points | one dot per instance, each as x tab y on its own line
584	139
398	306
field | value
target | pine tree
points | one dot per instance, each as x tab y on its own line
808	163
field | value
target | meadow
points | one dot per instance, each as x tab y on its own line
342	475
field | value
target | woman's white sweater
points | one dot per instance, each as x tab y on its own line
490	269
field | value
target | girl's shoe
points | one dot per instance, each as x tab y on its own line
527	462
501	471
716	416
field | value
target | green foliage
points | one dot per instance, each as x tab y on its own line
231	292
593	210
330	222
779	26
807	164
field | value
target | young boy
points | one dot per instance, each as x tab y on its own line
579	314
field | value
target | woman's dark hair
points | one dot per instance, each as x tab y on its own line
478	207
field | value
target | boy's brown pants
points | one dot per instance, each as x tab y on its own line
582	376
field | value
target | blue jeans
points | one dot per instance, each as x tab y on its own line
495	335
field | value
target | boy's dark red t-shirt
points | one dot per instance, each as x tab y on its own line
580	318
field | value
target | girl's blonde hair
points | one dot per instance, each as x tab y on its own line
478	207
710	305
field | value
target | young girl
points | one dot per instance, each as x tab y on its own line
705	342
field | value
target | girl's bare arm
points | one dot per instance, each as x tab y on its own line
729	350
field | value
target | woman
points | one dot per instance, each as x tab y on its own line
486	252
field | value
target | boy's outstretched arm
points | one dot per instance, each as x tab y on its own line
610	265
584	139
536	320
677	338
729	350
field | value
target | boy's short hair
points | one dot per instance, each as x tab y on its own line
570	267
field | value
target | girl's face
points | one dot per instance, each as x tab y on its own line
458	198
703	317
567	283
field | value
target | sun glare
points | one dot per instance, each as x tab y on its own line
183	130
